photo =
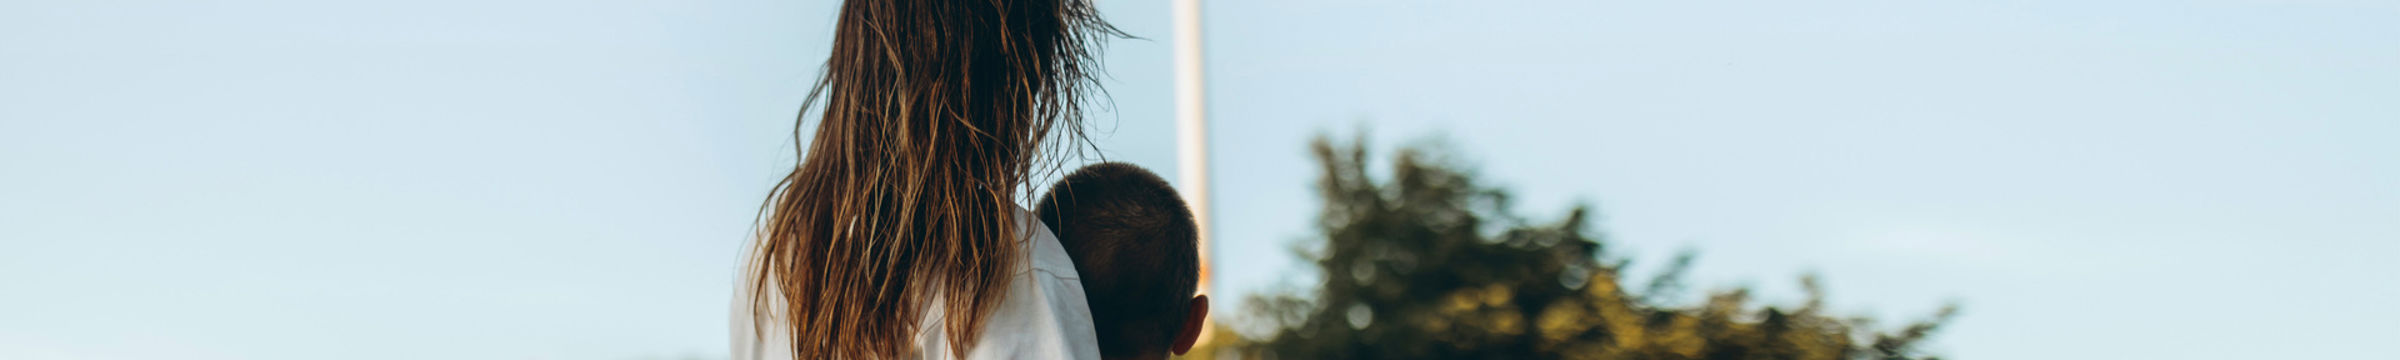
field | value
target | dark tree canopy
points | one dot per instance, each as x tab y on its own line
1428	264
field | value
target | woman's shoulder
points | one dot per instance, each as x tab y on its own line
1043	316
1046	255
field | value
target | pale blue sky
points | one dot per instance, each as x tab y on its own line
251	179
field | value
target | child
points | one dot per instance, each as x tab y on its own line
1135	246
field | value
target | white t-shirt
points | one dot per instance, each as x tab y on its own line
1043	315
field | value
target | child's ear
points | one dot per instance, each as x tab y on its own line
1194	320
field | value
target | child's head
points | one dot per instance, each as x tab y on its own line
1136	248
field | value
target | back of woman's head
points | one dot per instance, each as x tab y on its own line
934	113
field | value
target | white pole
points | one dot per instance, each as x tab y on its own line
1191	134
1191	124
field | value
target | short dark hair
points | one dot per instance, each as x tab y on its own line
1135	246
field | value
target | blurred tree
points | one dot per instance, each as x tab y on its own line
1431	265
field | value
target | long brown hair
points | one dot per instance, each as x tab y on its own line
934	113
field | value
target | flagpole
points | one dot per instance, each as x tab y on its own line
1191	125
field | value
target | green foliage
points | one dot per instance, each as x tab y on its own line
1430	264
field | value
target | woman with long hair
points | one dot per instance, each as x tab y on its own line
898	235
